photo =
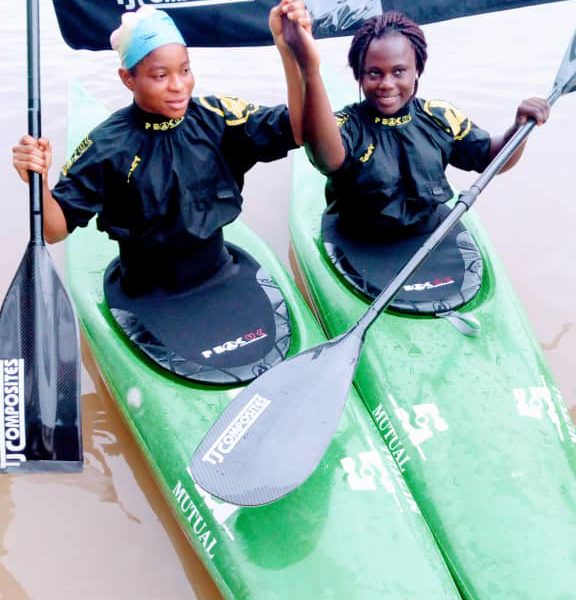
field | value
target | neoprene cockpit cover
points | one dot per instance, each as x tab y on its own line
86	24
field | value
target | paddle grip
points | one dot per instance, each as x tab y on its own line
504	155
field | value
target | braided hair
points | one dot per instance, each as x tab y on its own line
376	28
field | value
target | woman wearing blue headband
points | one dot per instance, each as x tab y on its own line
164	175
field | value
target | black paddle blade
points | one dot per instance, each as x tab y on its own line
566	76
272	436
40	427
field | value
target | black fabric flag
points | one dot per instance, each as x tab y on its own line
86	24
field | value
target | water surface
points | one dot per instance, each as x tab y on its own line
107	534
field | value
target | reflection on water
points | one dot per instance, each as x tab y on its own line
107	533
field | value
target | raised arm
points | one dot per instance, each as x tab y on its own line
36	155
296	12
319	130
532	108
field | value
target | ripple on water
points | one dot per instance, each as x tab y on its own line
107	533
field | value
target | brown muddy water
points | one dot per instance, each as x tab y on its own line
107	534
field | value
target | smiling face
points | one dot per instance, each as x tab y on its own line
162	82
389	75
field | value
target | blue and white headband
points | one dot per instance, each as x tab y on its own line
142	32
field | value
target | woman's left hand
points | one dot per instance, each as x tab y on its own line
294	11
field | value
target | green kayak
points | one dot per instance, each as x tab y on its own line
476	424
352	531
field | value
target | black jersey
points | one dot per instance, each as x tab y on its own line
148	177
164	188
393	176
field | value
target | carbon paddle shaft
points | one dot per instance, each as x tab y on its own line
465	201
34	117
40	425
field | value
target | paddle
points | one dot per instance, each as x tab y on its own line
273	434
39	344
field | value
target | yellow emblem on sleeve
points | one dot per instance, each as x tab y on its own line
341	118
236	111
451	119
80	149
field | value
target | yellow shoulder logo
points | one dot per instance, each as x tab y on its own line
236	111
341	118
80	149
449	117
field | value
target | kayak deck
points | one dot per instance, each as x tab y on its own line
352	530
476	424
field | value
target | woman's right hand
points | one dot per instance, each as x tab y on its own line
32	154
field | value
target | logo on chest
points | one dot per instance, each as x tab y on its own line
135	162
368	154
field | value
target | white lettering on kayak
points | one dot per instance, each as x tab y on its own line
198	524
240	425
12	413
240	342
369	471
536	402
427	421
401	482
390	436
428	285
366	473
221	511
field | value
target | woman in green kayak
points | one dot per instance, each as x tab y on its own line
164	175
385	157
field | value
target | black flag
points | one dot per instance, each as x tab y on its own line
86	24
